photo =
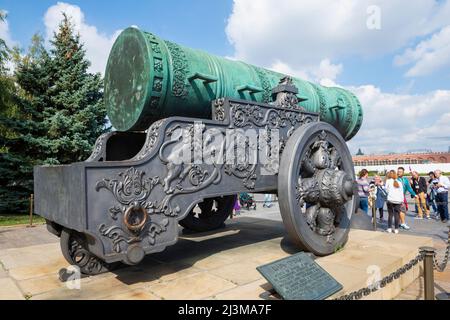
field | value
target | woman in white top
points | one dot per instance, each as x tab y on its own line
395	197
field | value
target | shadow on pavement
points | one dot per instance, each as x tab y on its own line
191	248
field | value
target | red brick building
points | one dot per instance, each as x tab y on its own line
401	158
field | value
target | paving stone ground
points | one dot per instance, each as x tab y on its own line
22	236
216	265
430	228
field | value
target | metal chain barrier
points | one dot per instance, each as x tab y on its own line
441	266
358	294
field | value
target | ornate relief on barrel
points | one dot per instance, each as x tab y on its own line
180	70
322	100
359	117
262	75
159	79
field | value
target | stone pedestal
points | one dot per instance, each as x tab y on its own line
220	265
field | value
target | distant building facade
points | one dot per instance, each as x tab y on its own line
401	159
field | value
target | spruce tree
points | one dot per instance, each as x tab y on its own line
77	112
26	143
10	197
6	83
61	113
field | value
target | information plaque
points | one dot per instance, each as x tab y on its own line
298	277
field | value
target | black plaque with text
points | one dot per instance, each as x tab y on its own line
298	277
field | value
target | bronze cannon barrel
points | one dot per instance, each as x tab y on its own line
148	78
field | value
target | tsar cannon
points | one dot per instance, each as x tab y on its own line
194	130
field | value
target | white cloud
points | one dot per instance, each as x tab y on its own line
327	72
5	33
300	33
281	67
97	44
306	38
401	122
393	122
428	56
324	73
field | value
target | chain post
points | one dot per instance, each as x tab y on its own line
372	201
31	210
428	271
374	215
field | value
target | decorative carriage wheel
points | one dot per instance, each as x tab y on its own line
75	250
316	188
212	215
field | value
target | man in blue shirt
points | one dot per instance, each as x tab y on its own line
406	188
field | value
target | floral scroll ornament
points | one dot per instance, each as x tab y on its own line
118	235
219	113
132	189
151	140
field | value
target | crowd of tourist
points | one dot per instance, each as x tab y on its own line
429	194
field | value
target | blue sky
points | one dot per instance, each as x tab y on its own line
197	23
397	70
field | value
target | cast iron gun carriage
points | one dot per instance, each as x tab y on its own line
179	113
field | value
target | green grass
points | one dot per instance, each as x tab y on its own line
15	219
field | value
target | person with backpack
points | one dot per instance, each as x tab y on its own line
442	186
395	197
381	196
406	188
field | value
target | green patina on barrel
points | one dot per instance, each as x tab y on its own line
148	78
